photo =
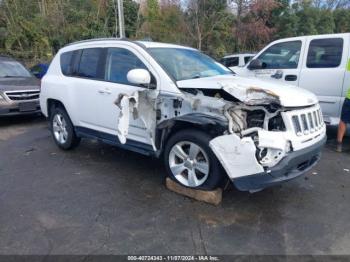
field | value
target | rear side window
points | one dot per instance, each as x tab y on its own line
231	61
89	66
66	63
119	62
325	53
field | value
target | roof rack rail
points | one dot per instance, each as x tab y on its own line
98	39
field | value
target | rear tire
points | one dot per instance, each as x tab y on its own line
62	129
190	161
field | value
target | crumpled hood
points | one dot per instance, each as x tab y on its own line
254	91
22	83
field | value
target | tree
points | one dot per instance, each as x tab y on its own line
151	20
257	28
34	30
325	23
308	18
207	19
38	34
341	20
241	8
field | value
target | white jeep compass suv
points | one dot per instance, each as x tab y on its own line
174	102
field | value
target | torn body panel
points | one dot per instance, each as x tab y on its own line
140	105
249	138
252	95
236	155
253	91
273	147
243	157
257	137
127	104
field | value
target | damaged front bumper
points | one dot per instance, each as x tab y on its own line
291	166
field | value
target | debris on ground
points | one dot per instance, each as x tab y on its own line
28	151
213	197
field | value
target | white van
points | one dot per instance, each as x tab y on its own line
319	63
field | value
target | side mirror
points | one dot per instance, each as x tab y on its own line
255	64
139	77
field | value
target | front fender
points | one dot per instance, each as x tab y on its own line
211	124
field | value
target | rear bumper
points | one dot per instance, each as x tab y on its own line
20	108
293	165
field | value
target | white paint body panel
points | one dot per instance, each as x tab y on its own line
234	154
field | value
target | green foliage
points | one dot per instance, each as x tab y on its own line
34	30
37	35
341	20
305	18
209	25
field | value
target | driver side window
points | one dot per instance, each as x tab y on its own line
281	56
118	63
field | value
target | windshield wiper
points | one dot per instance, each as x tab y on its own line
196	76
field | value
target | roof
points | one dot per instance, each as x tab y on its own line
145	44
150	44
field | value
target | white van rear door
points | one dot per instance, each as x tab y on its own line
323	70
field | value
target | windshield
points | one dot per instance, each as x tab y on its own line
183	64
13	69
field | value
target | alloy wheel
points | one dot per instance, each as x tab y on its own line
189	163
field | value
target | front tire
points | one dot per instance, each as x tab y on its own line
62	129
190	161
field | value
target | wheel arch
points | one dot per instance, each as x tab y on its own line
209	124
53	103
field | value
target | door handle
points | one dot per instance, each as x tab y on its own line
291	78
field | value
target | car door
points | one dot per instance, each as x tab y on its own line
323	72
87	67
119	61
280	61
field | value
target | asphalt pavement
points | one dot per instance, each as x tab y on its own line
98	199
